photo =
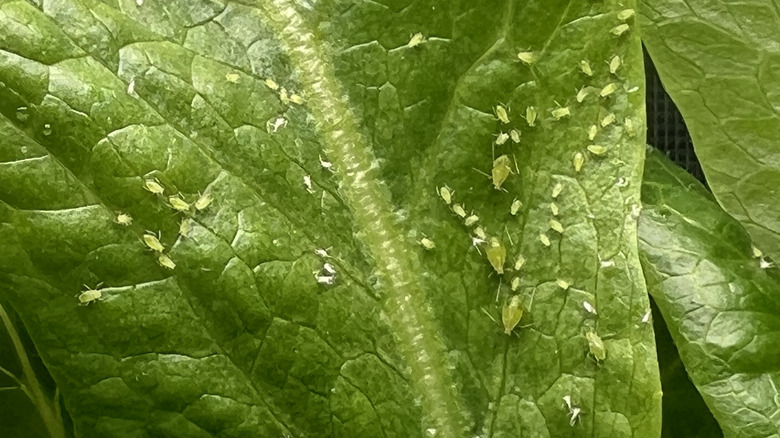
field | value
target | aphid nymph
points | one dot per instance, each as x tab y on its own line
515	207
530	116
427	243
178	204
90	295
152	241
124	219
596	346
501	113
445	193
415	40
512	313
166	262
528	58
501	171
496	254
203	202
154	186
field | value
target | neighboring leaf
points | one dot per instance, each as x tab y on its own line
719	61
721	307
246	335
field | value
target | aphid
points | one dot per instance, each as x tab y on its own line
322	252
589	307
619	29
625	14
628	124
555	225
519	262
559	113
530	116
501	138
585	67
633	89
178	204
427	243
765	264
528	58
325	279
554	209
621	182
608	120
480	233
232	77
270	83
501	171
582	94
757	253
544	239
592	131
327	165
471	220
327	267
445	193
515	284
597	149
607	263
124	219
273	125
166	261
283	96
90	295
458	209
203	202
185	227
574	411
501	114
496	254
646	317
608	89
557	189
515	135
614	64
636	210
578	161
154	186
563	284
307	183
415	40
516	205
131	87
139	2
512	313
296	99
596	346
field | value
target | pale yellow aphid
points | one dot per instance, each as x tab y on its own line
270	83
554	209
479	232
528	58
445	193
124	219
90	295
757	253
555	225
557	189
283	96
608	120
296	99
625	14
154	186
515	135
203	202
614	64
153	242
512	313
559	113
471	220
458	209
516	205
166	261
530	116
544	239
501	138
578	161
592	131
515	284
585	67
628	124
232	77
427	243
596	346
415	40
582	94
563	284
185	227
519	262
496	254
619	29
178	204
501	171
501	114
597	149
608	89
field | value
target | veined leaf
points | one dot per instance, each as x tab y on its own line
719	61
722	308
301	301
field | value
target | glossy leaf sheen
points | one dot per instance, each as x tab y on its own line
720	62
722	309
245	337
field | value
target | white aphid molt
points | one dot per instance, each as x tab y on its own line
325	279
326	165
327	267
273	125
124	219
322	252
589	307
574	411
307	183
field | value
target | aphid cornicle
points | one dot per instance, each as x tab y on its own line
154	186
178	204
496	254
90	295
530	116
528	58
427	243
596	346
153	242
501	114
512	313
501	171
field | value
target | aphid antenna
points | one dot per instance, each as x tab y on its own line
517	168
509	236
482	173
498	289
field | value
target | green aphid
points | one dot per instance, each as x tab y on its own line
501	114
496	254
528	58
501	171
608	89
596	346
530	116
512	313
597	149
585	67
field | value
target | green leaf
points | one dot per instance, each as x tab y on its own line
247	336
721	307
719	62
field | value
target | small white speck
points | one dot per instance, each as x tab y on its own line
322	252
607	263
139	2
325	279
131	85
589	307
327	267
327	165
307	183
646	317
